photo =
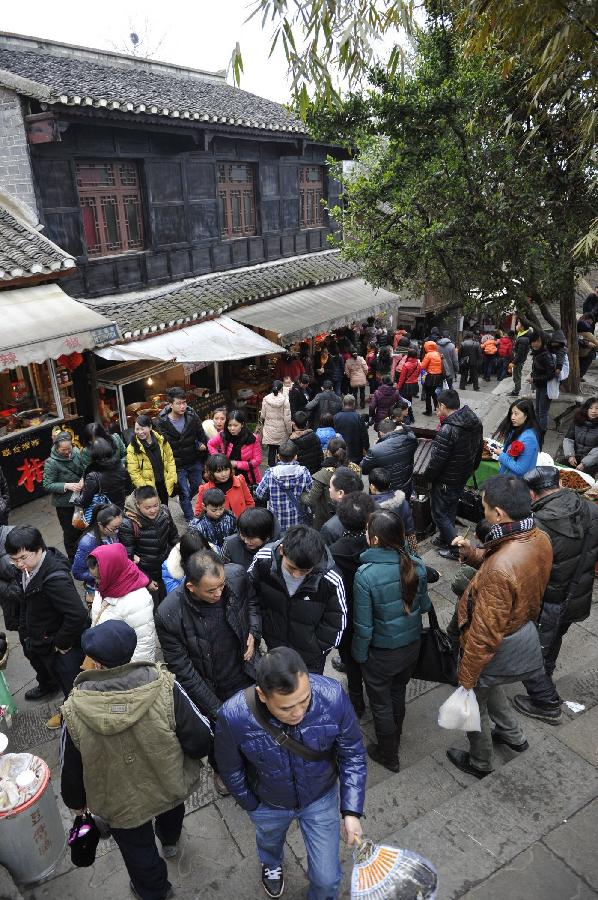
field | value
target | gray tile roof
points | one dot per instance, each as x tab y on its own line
112	83
25	252
153	311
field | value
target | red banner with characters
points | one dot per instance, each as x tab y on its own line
23	455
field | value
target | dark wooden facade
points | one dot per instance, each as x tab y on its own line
178	171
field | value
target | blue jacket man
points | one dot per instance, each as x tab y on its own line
259	734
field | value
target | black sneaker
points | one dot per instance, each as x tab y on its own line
273	880
552	714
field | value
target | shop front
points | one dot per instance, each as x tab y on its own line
190	357
43	339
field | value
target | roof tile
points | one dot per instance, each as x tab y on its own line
25	252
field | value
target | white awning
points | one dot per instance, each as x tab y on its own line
42	322
311	311
215	341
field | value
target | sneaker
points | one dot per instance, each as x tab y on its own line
39	692
552	715
273	880
55	722
169	850
498	738
219	786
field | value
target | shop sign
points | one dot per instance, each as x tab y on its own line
22	459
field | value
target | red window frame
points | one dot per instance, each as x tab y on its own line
236	200
311	192
110	196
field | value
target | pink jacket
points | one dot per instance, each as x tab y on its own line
251	457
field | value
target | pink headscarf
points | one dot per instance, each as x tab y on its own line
118	575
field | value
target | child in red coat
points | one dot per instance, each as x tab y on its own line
219	474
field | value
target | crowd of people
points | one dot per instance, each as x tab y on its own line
279	566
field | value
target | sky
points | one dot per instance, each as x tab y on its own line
196	33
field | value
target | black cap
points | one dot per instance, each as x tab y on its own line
542	477
111	644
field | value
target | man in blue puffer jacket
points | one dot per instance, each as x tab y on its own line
276	784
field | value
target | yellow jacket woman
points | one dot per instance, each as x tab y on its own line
150	460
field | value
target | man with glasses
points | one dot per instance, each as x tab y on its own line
183	430
52	616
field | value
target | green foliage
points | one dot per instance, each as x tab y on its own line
444	195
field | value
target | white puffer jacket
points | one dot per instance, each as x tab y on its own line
137	610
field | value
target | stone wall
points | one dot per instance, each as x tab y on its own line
16	178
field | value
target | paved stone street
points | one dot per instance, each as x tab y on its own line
527	831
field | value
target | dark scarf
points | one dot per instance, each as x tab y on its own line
502	530
237	441
155	457
224	486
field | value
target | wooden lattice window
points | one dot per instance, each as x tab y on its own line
236	198
311	191
111	206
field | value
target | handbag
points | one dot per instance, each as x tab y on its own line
83	840
280	736
437	660
470	506
78	520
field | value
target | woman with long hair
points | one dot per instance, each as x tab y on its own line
580	444
241	446
106	519
318	497
521	436
275	420
95	430
150	460
105	475
390	594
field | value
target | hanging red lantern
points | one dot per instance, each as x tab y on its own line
71	361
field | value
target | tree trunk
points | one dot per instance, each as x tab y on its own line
543	307
569	327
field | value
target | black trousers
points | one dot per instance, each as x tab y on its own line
70	534
162	492
354	676
57	668
468	372
147	870
386	674
361	390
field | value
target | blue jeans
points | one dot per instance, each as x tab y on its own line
445	500
320	826
190	479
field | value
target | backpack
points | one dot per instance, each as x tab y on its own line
98	497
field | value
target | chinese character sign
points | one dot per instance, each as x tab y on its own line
32	471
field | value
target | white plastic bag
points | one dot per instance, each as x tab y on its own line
553	388
460	711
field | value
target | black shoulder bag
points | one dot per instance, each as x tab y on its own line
437	660
470	506
280	736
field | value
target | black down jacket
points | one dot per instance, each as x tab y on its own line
521	347
566	518
313	620
184	642
110	479
149	539
456	449
51	611
543	366
185	443
394	452
10	590
309	450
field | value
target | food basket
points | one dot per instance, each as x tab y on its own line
575	480
381	872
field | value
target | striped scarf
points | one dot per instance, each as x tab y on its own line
503	529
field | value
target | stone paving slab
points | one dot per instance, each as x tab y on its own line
574	841
581	735
536	874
